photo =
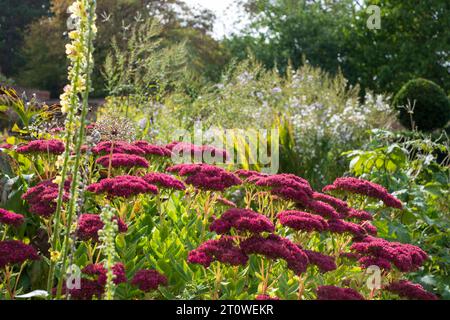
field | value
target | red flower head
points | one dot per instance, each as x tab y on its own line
409	290
288	186
223	250
341	226
148	280
41	198
180	148
122	160
153	150
366	188
405	257
42	146
302	221
104	148
323	209
94	282
338	204
336	293
367	261
90	224
323	262
359	215
242	220
250	176
11	218
16	252
266	297
275	247
164	181
206	177
123	186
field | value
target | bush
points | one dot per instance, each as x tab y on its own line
431	105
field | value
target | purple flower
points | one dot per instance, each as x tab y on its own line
242	220
42	146
323	209
336	293
223	250
338	204
359	215
323	262
367	261
266	297
11	218
105	148
341	226
42	197
90	224
153	150
164	181
148	280
123	186
366	188
302	221
287	186
409	290
206	177
179	148
94	281
122	160
405	257
275	247
16	252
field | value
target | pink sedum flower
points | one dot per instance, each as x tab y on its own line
406	257
94	281
165	181
263	297
223	250
148	280
42	197
153	150
123	186
336	293
242	220
323	262
179	148
11	218
276	247
206	177
90	224
106	147
409	290
16	252
302	221
366	188
55	147
122	160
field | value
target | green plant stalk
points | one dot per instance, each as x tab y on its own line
79	142
62	183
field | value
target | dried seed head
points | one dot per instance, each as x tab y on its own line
115	128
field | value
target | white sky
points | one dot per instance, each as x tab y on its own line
225	11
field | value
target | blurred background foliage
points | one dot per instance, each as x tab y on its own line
311	70
333	35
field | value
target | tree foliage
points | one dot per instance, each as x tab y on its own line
14	17
413	40
45	40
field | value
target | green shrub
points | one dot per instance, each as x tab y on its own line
431	106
